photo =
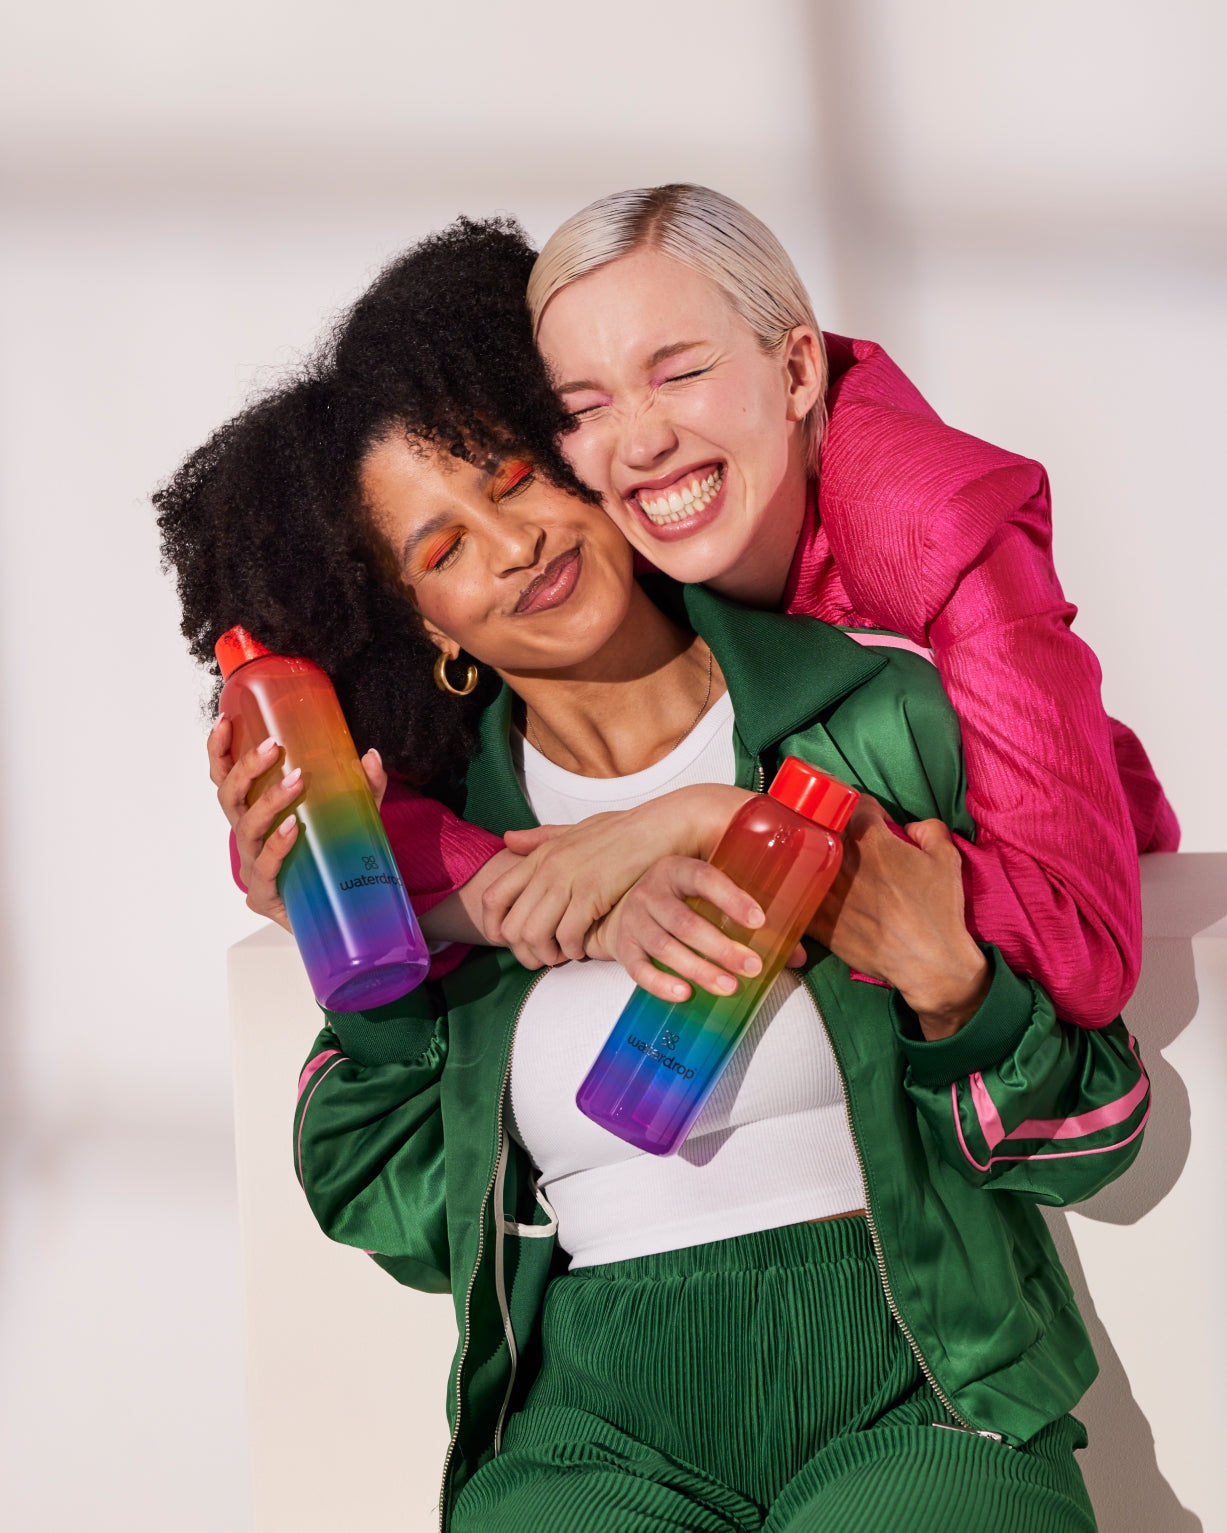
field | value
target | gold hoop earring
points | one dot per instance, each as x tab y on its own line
444	685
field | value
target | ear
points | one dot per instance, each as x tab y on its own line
440	640
804	371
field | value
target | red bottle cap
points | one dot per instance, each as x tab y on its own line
820	798
235	648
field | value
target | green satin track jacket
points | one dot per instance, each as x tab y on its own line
401	1145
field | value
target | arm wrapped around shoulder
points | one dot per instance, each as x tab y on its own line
1020	1101
368	1138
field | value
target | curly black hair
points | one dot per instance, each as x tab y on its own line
264	524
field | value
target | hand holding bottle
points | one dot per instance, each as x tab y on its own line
656	923
662	1059
895	911
342	891
260	855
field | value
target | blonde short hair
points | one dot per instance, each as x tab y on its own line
706	231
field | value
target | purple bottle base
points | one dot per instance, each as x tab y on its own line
375	987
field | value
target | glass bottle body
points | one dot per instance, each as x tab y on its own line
346	902
662	1060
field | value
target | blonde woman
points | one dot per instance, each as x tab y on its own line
735	445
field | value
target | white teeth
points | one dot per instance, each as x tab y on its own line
674	504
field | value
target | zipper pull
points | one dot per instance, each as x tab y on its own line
952	1426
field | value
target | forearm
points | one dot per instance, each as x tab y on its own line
545	908
1053	876
458	916
368	1137
688	822
946	992
1025	1102
437	854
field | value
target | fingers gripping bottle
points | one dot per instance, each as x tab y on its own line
663	1058
352	920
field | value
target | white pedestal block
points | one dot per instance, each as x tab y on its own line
347	1370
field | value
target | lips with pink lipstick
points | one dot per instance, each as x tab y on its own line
553	585
681	504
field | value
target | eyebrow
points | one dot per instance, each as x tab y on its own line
661	354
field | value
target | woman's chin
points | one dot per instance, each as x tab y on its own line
693	559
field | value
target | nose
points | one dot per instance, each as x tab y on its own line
647	437
517	542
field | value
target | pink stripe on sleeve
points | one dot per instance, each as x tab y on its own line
958	1129
1077	1126
1088	1122
303	1119
311	1067
991	1125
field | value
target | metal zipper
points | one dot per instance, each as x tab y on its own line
950	1426
963	1424
500	1283
481	1236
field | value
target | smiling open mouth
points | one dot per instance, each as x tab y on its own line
553	585
682	500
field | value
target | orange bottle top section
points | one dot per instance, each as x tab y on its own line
820	798
235	648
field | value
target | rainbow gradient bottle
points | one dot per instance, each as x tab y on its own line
663	1059
352	920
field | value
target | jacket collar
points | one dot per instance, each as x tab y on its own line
782	671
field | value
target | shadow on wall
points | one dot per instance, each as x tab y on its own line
1127	1487
874	255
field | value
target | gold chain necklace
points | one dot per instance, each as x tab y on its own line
711	656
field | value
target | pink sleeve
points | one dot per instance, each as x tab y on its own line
436	853
946	539
1053	876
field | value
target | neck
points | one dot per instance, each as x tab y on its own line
760	576
629	704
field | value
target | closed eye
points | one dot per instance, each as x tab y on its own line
517	478
681	377
444	551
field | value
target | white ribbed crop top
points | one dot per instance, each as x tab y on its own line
771	1147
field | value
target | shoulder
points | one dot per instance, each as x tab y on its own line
886	444
899	735
907	501
908	685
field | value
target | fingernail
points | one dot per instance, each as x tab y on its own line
755	917
288	824
752	965
269	745
377	756
727	984
292	776
680	992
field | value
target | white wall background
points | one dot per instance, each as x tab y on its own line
1024	203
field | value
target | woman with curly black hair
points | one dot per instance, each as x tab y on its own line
837	1306
259	525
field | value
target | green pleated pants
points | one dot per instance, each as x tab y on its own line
755	1385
